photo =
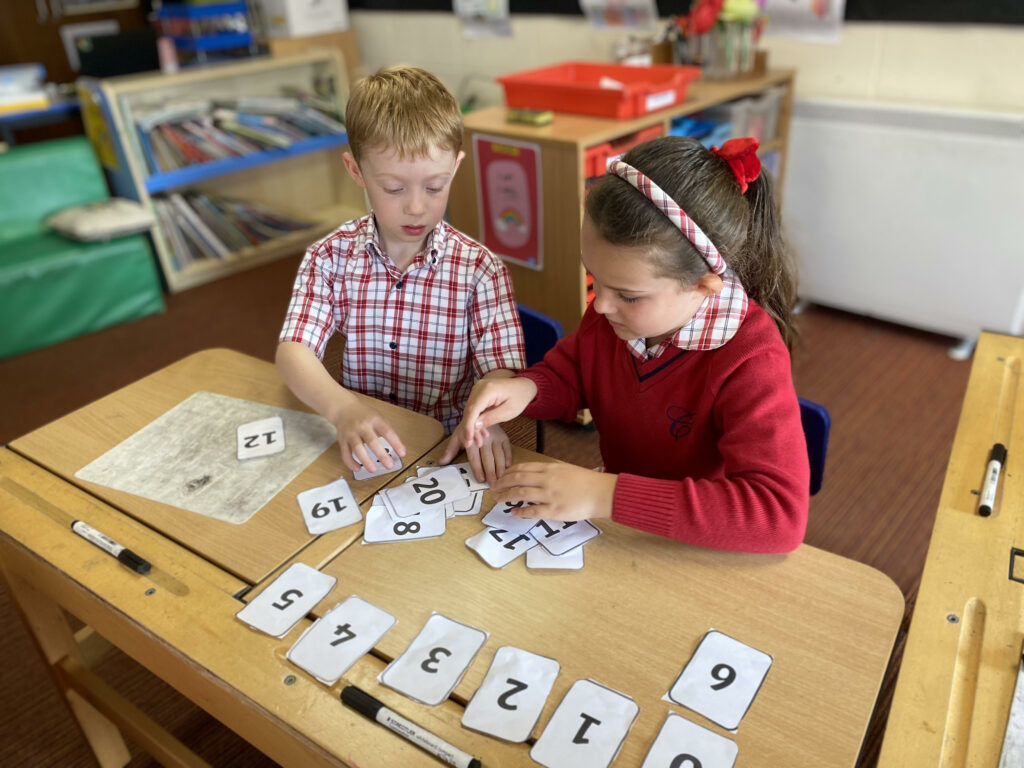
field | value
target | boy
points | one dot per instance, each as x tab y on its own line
425	310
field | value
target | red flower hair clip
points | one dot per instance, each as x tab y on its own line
741	155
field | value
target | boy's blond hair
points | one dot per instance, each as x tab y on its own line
404	108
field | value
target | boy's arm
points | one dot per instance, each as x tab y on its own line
357	423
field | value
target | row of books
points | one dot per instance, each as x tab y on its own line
185	133
199	226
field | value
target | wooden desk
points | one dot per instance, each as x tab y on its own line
958	671
829	623
274	533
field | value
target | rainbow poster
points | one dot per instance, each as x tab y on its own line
508	188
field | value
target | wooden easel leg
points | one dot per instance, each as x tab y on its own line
54	639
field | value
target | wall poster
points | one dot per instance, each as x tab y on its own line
508	189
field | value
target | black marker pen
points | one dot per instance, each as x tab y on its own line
108	545
996	459
368	706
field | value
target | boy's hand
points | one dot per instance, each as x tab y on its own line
487	461
557	491
359	426
493	401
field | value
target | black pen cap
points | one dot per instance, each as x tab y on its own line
133	561
360	701
998	453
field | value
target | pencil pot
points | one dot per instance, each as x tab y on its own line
726	50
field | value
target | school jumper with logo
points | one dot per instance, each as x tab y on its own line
708	445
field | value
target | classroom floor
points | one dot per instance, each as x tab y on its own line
893	393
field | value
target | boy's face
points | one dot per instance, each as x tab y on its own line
408	194
634	299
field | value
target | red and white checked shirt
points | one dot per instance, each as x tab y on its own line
419	339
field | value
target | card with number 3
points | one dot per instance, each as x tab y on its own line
430	668
721	679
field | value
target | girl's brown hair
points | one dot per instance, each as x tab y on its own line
744	227
403	108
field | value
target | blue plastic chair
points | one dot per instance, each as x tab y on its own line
540	333
816	423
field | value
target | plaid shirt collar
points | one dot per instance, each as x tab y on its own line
368	240
712	325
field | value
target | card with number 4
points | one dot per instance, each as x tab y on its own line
382	527
363	474
329	507
430	668
509	701
339	638
287	599
588	727
687	745
260	438
498	547
721	679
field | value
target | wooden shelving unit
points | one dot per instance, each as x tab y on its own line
306	180
559	289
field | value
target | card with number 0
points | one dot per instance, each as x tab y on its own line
329	507
430	668
339	638
721	679
287	599
588	727
688	745
509	701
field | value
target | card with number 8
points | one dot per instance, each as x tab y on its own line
721	679
430	668
339	638
381	527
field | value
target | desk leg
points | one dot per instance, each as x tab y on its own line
55	640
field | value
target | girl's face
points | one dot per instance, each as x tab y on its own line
633	299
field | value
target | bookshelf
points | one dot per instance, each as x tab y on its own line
302	180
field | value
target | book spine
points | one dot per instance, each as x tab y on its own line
205	235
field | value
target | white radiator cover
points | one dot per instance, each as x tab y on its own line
912	215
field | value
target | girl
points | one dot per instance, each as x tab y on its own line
682	358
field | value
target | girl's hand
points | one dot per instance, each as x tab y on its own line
361	424
488	461
557	491
492	401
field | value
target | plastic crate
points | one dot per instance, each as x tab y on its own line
596	158
600	89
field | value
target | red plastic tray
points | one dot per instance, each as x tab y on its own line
575	86
595	159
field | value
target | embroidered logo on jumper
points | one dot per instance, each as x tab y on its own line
680	421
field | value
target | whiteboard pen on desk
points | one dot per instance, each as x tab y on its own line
996	459
108	545
368	706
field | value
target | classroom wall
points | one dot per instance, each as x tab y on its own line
967	66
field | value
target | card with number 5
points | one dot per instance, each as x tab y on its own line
339	638
430	668
287	599
509	701
721	679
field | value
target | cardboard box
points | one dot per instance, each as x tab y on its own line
299	18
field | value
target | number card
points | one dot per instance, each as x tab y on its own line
467	474
539	558
468	506
498	547
329	507
588	727
721	679
287	599
430	668
260	438
339	638
428	492
381	527
363	474
558	537
501	516
682	744
509	701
